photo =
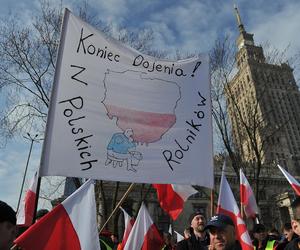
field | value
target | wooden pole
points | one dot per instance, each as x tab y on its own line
118	205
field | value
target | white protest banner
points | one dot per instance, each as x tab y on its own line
117	114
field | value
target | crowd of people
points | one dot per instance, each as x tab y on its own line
218	233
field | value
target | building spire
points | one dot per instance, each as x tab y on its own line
239	21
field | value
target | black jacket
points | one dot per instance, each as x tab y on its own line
293	245
193	243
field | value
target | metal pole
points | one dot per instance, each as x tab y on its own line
27	163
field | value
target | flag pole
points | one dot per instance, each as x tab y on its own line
212	201
32	139
38	186
118	205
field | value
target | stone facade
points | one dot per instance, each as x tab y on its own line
267	94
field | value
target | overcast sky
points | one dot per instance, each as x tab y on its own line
187	25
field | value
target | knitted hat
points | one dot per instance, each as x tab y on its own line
7	213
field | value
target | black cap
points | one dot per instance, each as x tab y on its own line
219	221
259	228
7	213
296	202
193	215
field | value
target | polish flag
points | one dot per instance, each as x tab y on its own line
172	197
144	234
247	197
71	225
129	221
26	211
294	183
227	205
179	237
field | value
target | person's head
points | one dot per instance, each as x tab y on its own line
197	222
128	133
296	206
288	231
222	232
40	213
7	226
259	232
114	238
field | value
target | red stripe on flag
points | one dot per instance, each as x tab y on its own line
54	231
169	200
127	232
152	239
243	193
29	207
296	189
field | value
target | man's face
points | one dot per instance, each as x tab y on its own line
222	239
198	223
8	234
288	234
296	226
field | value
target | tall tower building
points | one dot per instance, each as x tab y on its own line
264	106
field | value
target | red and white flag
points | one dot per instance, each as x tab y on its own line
172	197
26	210
179	237
227	205
129	221
71	225
144	234
294	183
247	197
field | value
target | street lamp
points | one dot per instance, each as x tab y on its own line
32	140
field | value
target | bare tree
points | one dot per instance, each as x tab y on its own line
27	66
222	62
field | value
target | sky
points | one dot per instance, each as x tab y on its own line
185	25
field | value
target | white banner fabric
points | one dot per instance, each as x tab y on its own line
120	115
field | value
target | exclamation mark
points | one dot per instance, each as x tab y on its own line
196	67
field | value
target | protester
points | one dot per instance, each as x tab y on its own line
7	226
289	235
114	240
261	238
168	242
199	239
222	233
295	243
288	232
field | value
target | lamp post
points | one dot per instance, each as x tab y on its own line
32	140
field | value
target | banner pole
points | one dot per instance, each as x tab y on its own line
118	205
